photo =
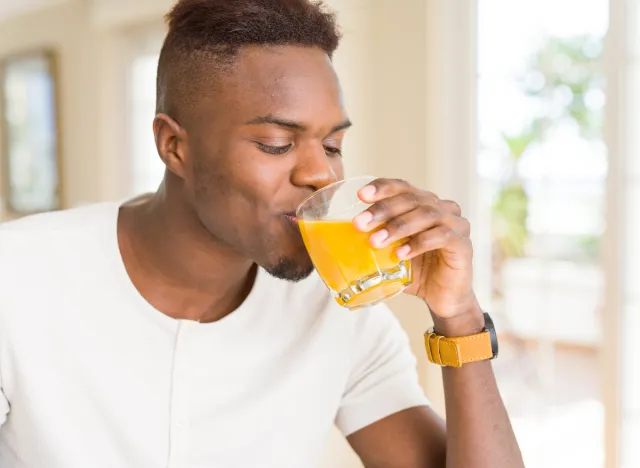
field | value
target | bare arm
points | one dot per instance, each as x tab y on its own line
437	241
478	432
409	439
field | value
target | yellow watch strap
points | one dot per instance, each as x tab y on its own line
454	352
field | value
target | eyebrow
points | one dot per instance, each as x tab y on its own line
290	124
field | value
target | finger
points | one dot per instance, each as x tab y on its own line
459	224
384	188
388	208
453	217
415	222
441	237
451	207
421	219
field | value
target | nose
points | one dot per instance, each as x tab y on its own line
314	168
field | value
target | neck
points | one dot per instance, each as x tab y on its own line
175	263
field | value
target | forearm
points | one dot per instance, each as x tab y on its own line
479	433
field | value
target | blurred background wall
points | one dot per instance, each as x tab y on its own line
525	112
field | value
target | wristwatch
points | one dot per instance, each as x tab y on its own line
454	352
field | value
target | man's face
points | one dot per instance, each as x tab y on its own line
268	137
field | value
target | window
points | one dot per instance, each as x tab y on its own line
542	166
147	170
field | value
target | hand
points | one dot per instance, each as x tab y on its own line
436	238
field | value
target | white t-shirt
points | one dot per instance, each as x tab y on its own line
93	376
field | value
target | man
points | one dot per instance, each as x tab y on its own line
162	333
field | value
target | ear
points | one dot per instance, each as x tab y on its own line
171	142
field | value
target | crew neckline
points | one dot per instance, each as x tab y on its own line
240	317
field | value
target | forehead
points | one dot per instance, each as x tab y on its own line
298	83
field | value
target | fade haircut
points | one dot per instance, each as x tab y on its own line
205	36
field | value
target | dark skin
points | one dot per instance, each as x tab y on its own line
238	164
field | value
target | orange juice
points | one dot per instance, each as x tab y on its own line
355	272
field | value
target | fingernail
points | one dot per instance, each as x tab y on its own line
368	192
378	237
403	252
363	219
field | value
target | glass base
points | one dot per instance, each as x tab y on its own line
375	288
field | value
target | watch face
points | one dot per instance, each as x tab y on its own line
488	325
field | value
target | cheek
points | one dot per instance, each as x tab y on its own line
265	180
267	172
206	180
246	183
224	193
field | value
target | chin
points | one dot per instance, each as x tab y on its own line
289	269
288	258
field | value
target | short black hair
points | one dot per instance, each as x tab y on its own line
205	36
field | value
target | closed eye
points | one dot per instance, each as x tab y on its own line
332	150
274	149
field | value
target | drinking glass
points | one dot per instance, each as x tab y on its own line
357	274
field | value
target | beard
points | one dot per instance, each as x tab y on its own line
289	270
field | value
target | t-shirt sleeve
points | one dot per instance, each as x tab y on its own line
383	378
4	403
4	408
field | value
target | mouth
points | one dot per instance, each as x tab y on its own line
292	218
292	221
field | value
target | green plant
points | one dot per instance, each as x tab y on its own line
564	73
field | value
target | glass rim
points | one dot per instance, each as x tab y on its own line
370	178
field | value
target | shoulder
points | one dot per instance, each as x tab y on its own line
38	246
42	229
56	221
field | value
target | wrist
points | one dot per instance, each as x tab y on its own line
467	323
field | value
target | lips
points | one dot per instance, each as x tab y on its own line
292	222
291	217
